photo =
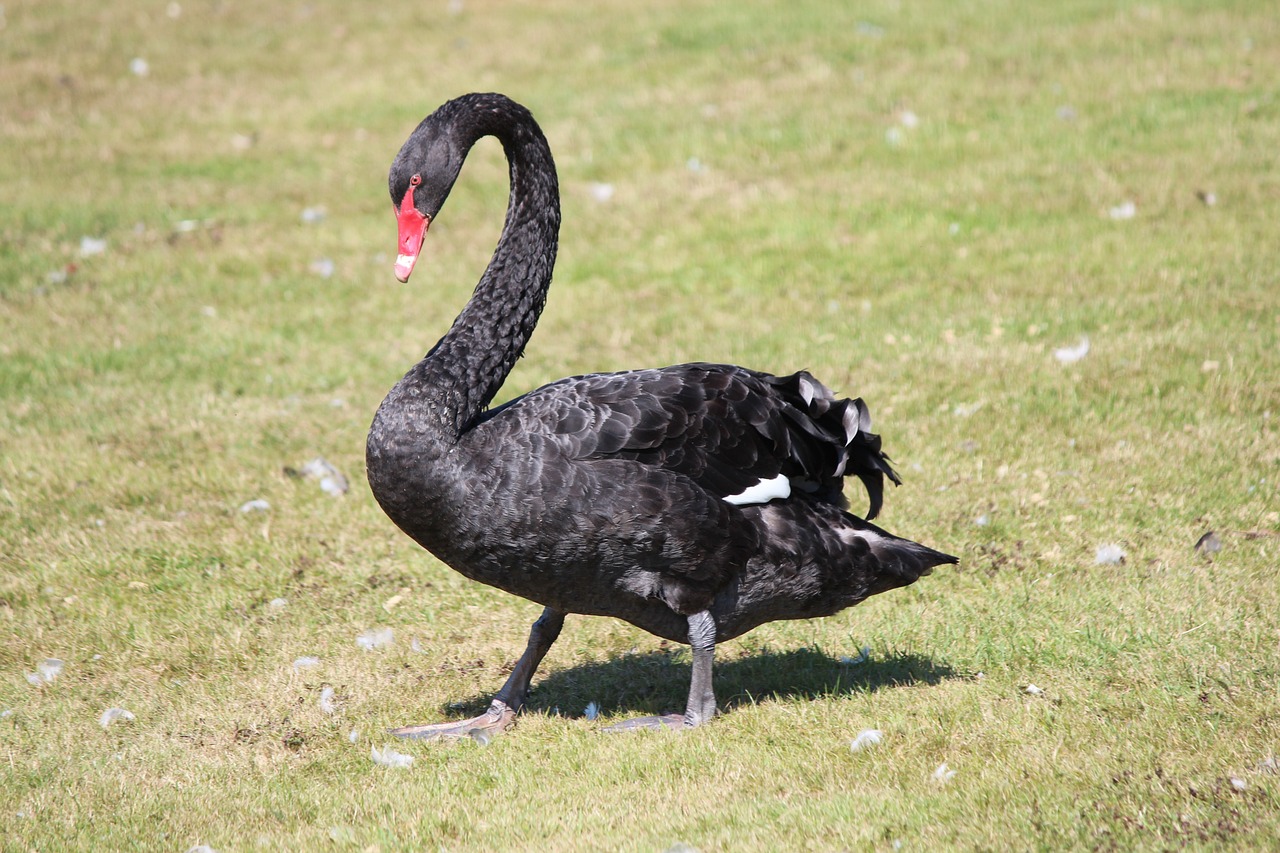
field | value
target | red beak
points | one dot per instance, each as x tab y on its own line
413	228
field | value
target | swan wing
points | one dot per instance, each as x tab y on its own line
743	436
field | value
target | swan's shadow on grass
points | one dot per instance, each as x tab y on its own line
658	682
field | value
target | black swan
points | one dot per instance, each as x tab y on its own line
696	501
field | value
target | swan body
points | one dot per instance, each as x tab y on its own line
695	501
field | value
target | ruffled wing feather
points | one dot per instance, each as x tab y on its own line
724	427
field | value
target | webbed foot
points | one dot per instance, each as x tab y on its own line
492	722
668	722
702	701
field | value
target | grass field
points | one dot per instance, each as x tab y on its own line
920	202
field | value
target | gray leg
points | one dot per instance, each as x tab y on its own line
543	633
509	700
702	699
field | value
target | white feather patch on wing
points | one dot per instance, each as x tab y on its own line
762	492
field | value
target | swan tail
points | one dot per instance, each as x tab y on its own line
838	429
897	562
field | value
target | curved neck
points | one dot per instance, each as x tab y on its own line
464	371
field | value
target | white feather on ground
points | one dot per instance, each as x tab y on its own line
375	637
1109	555
1070	355
110	715
866	738
388	757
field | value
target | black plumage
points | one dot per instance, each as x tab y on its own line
696	501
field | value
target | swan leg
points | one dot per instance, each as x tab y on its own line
501	714
701	706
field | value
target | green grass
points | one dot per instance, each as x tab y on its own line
149	391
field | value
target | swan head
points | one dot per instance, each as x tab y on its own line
421	178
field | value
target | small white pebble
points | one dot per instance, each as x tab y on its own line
313	215
353	735
908	119
1109	555
1239	784
375	637
1033	690
388	757
139	66
326	700
866	738
693	164
256	505
110	715
306	661
943	774
982	520
278	603
602	192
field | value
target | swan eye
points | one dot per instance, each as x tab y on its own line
416	180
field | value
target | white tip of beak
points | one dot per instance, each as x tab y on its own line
404	266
